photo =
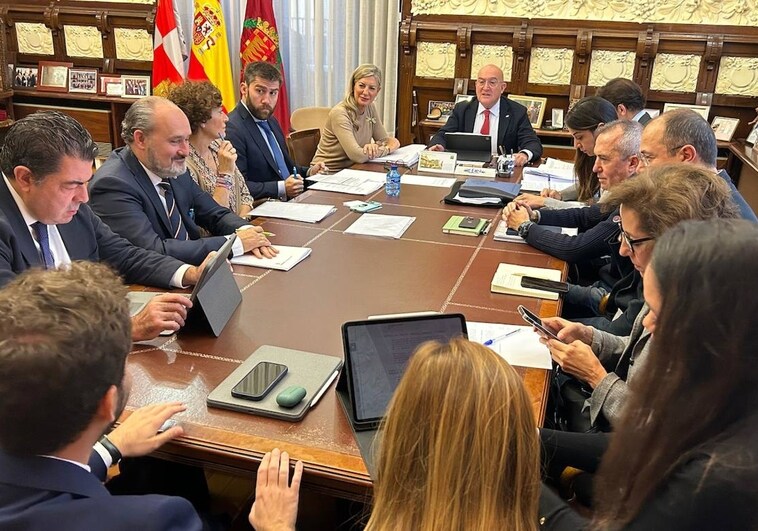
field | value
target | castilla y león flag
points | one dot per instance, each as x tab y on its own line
168	49
260	42
210	52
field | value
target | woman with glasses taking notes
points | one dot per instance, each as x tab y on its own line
683	456
354	132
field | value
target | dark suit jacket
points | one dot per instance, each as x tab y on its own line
514	132
644	118
745	210
39	493
86	238
123	196
254	158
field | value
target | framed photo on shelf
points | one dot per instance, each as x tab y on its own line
752	138
52	76
535	108
702	110
440	110
724	127
135	86
82	80
463	97
24	77
557	118
110	85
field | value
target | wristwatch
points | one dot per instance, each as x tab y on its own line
114	452
523	229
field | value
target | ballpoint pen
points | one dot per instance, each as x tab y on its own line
267	233
500	338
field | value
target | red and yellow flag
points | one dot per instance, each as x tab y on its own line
260	42
168	48
210	51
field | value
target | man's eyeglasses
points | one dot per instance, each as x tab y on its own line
492	82
631	242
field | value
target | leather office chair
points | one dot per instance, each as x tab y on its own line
302	145
309	118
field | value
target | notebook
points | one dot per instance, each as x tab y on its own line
507	280
287	258
453	226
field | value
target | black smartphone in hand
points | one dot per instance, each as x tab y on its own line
536	322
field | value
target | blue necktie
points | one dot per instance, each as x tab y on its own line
276	151
40	230
180	233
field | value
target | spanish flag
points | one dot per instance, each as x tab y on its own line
210	51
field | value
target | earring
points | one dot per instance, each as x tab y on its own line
202	125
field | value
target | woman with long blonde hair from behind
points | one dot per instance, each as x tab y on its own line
458	450
459	446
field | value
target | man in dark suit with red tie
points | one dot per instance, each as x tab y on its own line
491	113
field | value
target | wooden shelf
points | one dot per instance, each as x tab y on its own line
73	96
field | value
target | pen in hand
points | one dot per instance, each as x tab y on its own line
500	338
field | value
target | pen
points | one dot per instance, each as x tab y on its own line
323	389
500	338
294	172
267	233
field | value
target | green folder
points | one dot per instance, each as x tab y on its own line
453	226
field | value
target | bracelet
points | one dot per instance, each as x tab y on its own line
225	180
114	452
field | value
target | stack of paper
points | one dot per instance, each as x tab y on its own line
507	280
504	234
381	225
287	258
554	174
518	345
307	212
349	181
404	156
424	180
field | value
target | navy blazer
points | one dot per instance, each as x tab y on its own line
745	211
514	132
254	158
125	198
40	493
85	238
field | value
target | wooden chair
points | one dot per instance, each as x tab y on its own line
302	145
309	118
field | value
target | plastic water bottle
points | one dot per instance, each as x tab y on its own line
392	186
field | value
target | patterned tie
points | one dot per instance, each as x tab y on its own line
180	233
40	230
486	124
276	151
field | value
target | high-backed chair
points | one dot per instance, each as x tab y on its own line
302	145
309	118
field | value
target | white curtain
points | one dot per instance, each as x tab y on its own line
322	42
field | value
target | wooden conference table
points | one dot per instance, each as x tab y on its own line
346	278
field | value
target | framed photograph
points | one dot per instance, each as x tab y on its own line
724	127
557	118
110	85
535	108
463	97
25	77
702	110
135	86
437	161
440	110
82	80
52	76
752	138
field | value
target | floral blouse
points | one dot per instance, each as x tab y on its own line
205	177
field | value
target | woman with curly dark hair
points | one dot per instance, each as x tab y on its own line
212	160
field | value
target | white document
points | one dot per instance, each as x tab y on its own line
307	212
478	200
554	174
404	156
521	348
381	225
287	258
425	180
349	181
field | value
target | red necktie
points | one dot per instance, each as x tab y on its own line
486	125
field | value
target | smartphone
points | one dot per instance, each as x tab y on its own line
469	223
536	322
258	382
544	284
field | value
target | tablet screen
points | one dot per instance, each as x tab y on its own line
377	352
